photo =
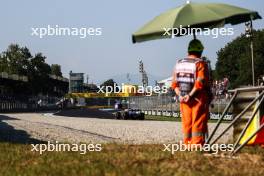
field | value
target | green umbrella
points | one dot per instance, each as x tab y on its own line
193	15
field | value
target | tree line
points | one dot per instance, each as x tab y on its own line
19	60
234	60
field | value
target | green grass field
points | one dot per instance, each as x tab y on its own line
173	119
117	159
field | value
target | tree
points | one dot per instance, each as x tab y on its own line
234	60
16	59
109	83
38	74
56	70
3	64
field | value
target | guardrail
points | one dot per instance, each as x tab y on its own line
27	104
11	106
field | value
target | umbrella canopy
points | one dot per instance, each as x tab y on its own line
194	15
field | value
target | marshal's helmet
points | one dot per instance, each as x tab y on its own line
195	46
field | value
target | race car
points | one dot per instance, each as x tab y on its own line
129	114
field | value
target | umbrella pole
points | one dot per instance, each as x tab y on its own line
249	34
252	58
194	35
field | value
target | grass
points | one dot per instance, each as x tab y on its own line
173	119
117	159
162	118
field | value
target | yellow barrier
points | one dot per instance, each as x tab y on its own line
254	125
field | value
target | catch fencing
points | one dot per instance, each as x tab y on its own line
167	105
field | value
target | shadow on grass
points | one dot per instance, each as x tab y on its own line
12	135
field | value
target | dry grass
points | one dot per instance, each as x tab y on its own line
114	159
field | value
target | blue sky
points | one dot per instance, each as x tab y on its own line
112	53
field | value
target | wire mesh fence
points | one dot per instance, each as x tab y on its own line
167	105
161	102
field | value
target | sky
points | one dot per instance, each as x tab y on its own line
112	53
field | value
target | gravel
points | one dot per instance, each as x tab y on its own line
48	127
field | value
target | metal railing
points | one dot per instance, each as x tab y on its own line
257	100
20	103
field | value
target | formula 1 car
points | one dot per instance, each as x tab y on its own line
129	114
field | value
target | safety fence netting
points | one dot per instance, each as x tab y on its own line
167	105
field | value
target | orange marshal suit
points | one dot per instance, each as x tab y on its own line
195	112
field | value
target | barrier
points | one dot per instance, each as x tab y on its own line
248	110
21	103
251	120
166	105
12	106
